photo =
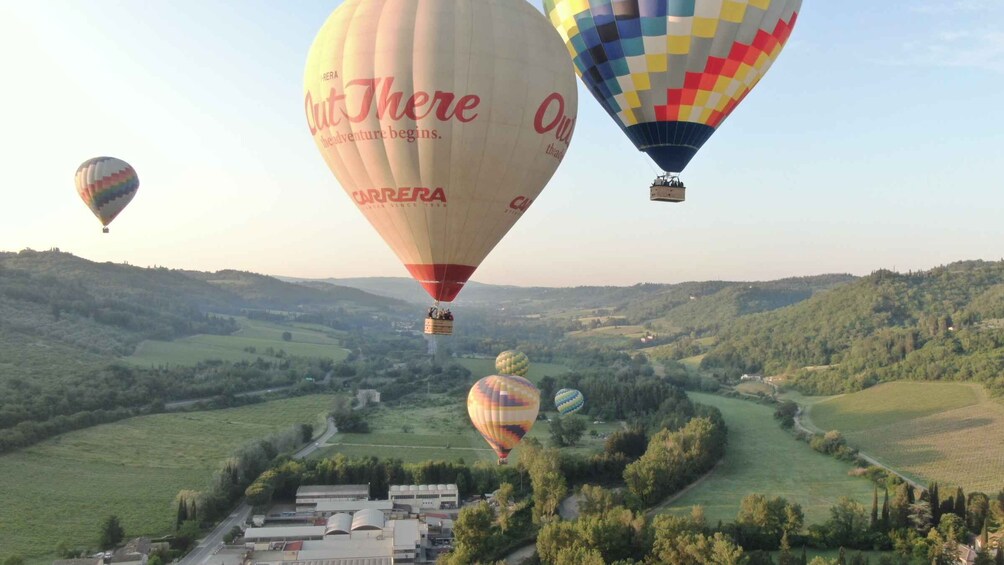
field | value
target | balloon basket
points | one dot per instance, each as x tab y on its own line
661	193
503	462
104	230
438	327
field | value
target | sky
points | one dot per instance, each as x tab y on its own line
875	141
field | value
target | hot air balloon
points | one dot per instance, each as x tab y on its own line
442	120
503	408
512	363
568	401
106	185
670	71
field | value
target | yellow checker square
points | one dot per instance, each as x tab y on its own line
628	118
702	98
762	4
581	5
733	11
632	99
678	44
657	63
722	84
641	81
705	27
705	116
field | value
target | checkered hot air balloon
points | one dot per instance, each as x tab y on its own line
106	185
670	71
568	401
512	363
503	408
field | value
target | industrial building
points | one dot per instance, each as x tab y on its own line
365	537
425	497
316	493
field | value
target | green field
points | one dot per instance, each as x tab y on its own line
755	388
60	489
763	458
945	432
439	429
484	367
307	341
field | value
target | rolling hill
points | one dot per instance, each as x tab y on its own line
943	324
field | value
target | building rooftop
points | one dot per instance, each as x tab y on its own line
406	533
320	490
284	532
368	519
352	505
394	489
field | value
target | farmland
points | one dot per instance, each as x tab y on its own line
484	367
254	339
763	458
437	428
946	432
133	468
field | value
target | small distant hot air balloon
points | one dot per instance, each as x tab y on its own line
568	401
512	363
503	408
442	120
670	71
106	185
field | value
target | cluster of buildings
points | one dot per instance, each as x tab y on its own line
341	525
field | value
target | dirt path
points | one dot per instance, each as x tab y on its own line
871	460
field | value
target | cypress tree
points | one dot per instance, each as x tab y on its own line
874	516
885	511
182	513
842	556
910	498
935	503
960	503
805	556
985	535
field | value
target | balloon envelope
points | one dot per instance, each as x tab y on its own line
442	120
503	408
569	401
106	185
512	363
670	71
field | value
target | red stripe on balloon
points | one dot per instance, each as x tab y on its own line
442	281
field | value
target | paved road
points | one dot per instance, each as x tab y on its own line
214	540
319	442
801	427
211	543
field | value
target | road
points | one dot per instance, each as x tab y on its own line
871	460
211	543
184	403
317	443
214	540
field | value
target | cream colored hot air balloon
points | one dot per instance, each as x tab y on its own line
442	120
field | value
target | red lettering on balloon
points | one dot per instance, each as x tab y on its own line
402	194
560	124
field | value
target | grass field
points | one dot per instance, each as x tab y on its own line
484	367
693	362
945	432
755	388
763	458
438	429
307	341
61	489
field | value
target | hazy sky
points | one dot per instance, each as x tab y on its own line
875	141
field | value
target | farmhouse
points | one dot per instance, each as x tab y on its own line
316	493
425	497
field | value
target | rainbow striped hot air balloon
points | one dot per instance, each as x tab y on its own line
568	401
512	363
503	408
106	185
